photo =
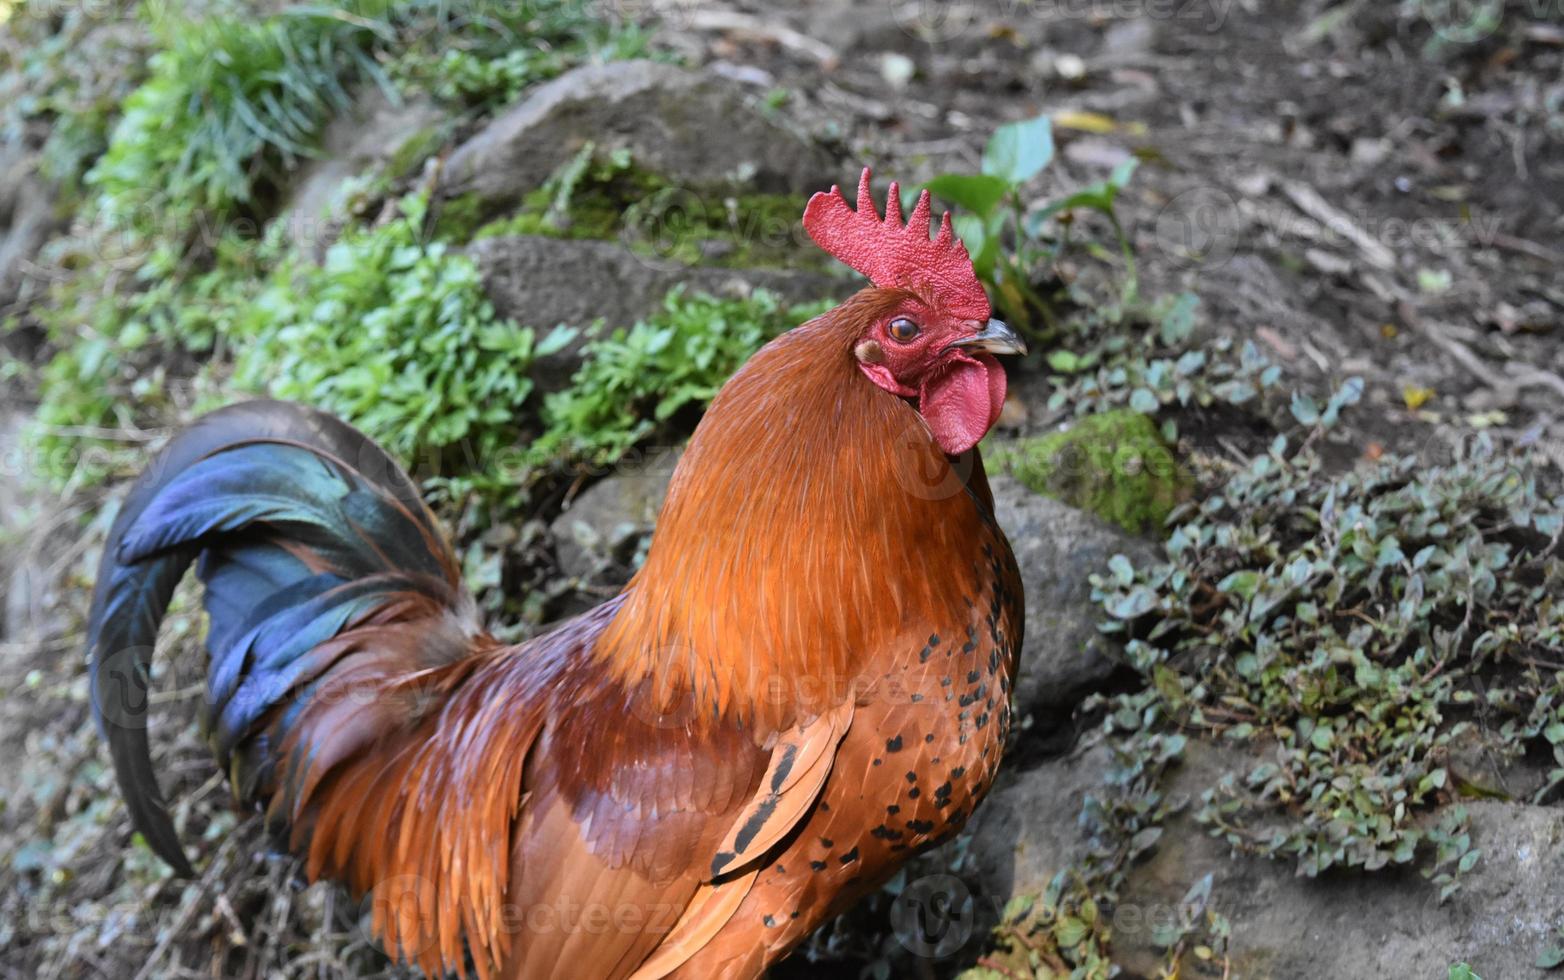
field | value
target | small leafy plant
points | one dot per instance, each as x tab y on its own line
1351	625
232	103
634	380
175	237
1006	235
395	335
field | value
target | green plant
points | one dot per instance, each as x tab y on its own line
161	269
395	335
123	357
1343	621
1005	236
1354	627
634	380
1067	929
1114	464
174	239
482	55
68	69
1144	357
232	103
596	195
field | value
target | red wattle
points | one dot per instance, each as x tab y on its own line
962	400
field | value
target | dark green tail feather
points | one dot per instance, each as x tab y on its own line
232	490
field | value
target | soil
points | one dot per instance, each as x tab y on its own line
1371	200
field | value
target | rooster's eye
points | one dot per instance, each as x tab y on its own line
903	329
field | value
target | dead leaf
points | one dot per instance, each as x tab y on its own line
1327	262
1085	122
1416	396
1284	348
1094	152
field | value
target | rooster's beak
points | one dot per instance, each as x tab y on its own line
996	337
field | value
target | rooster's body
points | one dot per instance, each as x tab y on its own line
806	683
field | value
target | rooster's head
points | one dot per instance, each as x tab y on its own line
927	334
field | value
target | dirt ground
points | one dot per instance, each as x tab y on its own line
1362	189
1366	189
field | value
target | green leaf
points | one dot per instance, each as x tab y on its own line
1549	959
1064	361
1145	839
978	193
1388	553
1198	896
984	248
1144	401
1122	173
1322	737
1137	602
1179	322
1019	151
556	340
1070	932
1018	907
1304	409
1242	583
1096	197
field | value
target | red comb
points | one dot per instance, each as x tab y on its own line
895	255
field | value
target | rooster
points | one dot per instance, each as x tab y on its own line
806	683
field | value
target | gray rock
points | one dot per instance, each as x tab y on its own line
543	282
27	219
373	137
1027	830
699	127
1381	924
1064	657
617	510
1348	924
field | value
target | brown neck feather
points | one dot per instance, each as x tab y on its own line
803	547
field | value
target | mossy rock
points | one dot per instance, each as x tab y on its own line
1115	465
604	198
698	126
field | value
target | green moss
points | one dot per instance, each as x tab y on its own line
608	198
458	219
1114	464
